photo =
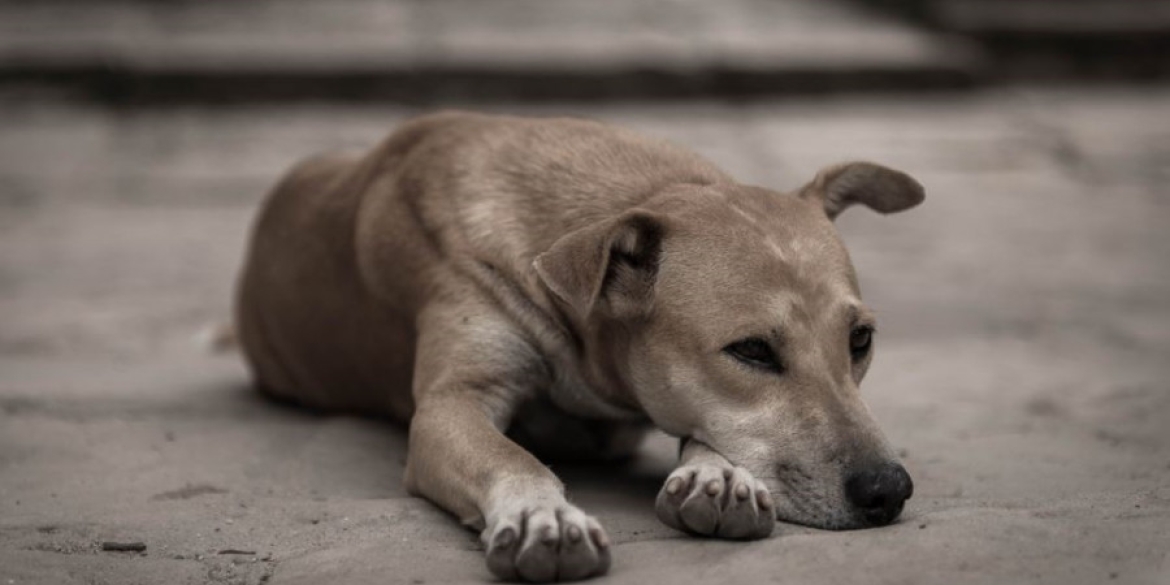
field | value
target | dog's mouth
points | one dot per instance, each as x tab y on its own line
798	502
864	500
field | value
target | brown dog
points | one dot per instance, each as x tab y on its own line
572	283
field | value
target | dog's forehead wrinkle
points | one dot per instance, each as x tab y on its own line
806	317
807	262
739	210
781	303
808	303
776	249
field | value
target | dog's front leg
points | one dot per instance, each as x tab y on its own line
471	372
709	496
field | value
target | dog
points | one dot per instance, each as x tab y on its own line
506	285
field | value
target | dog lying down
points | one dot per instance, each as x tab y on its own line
574	284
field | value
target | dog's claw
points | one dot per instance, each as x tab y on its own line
716	500
764	500
599	537
714	487
543	544
742	492
573	534
505	538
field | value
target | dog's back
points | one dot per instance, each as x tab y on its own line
346	250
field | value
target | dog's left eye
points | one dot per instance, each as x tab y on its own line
755	352
860	341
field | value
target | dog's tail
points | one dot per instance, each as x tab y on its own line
218	338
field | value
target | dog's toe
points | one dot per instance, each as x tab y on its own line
544	544
584	547
702	510
537	559
716	500
747	513
501	553
671	497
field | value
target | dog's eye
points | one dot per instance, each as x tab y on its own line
755	352
860	341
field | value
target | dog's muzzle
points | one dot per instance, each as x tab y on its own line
877	494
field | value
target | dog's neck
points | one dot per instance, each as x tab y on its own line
584	379
590	381
572	393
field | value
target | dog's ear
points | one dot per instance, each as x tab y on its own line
612	263
882	189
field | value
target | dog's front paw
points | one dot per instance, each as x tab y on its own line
716	500
546	543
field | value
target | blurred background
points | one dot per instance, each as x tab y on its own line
1024	308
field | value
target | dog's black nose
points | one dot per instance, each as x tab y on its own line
877	493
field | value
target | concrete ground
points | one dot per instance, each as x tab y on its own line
1021	370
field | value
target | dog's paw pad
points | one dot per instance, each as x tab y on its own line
716	500
542	544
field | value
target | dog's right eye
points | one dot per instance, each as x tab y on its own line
756	353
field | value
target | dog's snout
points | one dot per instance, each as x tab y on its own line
878	493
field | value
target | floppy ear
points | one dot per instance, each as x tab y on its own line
882	189
612	263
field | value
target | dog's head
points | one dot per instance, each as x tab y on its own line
733	315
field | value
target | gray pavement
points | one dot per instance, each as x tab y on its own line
1024	312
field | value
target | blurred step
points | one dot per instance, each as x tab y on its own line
1056	38
1067	17
415	51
